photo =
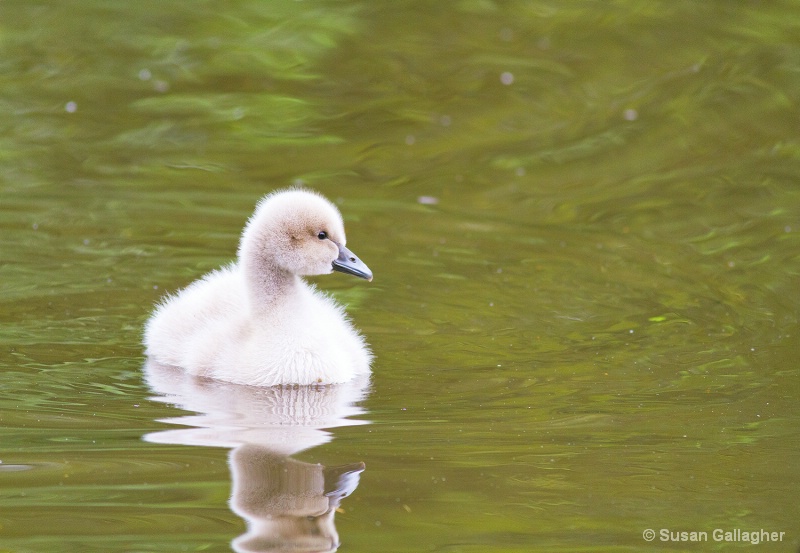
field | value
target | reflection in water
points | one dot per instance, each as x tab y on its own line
286	501
288	504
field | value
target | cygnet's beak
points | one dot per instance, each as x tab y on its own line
347	262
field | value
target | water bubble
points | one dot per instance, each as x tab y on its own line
630	114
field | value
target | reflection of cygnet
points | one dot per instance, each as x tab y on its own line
289	505
284	419
256	321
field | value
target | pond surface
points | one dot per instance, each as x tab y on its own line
584	224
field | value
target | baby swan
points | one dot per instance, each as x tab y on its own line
256	322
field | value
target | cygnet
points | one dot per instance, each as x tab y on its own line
256	321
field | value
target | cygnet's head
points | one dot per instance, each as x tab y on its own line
300	232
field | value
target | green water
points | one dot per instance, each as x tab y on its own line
584	224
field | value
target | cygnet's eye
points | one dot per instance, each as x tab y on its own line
322	235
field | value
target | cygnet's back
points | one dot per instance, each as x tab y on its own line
256	321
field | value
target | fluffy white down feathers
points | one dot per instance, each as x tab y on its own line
256	322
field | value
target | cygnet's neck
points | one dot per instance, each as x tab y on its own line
267	284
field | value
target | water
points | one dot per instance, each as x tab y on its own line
584	224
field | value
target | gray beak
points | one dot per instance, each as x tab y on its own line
347	262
